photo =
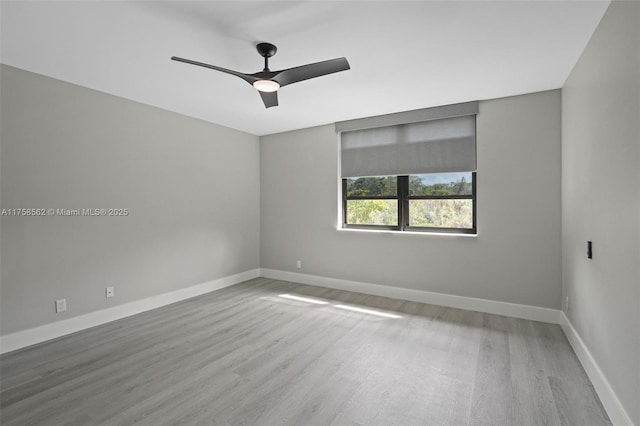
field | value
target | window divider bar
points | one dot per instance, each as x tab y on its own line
403	203
374	197
440	197
474	202
344	202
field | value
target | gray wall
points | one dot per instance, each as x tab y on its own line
192	189
516	256
601	199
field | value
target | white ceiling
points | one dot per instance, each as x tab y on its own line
403	55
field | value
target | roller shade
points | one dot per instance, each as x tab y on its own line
432	146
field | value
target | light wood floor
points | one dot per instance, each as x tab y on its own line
245	355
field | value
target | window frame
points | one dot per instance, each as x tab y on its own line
402	196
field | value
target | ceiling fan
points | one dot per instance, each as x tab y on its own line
268	82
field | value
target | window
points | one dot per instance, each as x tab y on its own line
410	171
371	201
435	202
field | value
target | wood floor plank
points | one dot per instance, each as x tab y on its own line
246	355
408	391
493	372
574	396
532	394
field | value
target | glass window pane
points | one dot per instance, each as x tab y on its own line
372	186
441	213
372	212
441	184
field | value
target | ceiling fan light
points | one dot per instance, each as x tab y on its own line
266	85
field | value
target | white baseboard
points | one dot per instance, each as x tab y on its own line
615	410
469	303
21	339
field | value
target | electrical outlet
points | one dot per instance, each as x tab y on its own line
299	264
61	305
566	303
109	292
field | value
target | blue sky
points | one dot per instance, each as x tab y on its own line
430	179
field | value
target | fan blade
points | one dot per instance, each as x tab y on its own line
246	77
270	99
305	72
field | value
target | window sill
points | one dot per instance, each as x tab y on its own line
425	234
